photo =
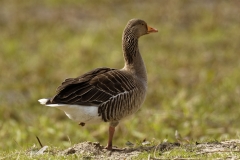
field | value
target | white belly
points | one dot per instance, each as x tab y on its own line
78	113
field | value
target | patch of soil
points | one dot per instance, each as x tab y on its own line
96	151
93	150
213	147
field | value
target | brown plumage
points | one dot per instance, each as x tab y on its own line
106	94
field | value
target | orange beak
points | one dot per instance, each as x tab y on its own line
151	30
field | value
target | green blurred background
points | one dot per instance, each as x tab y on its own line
193	65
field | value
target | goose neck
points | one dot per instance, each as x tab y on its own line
133	59
130	48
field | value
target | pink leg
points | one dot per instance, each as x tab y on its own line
111	133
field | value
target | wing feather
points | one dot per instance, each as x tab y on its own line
93	88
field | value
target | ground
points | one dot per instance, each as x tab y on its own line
146	150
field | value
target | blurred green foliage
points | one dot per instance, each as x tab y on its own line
193	65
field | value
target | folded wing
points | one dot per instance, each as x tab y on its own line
93	88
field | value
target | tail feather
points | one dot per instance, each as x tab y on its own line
43	101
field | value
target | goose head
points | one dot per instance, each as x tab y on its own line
138	28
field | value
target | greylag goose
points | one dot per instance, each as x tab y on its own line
106	94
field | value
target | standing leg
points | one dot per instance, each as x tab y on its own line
111	133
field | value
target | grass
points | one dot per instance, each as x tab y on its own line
193	68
